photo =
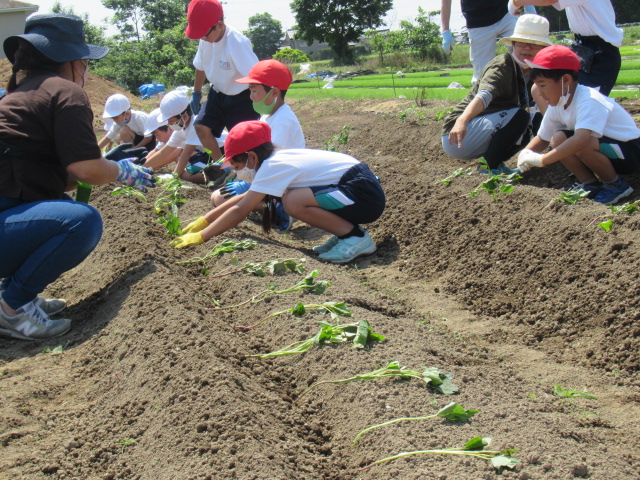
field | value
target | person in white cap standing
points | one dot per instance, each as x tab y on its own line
128	125
597	38
224	55
493	121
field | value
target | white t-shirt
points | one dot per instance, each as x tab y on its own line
297	168
592	17
138	124
593	111
286	131
226	61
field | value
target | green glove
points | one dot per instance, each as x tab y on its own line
188	240
195	226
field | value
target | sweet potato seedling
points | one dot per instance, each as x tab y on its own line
225	246
559	391
307	284
270	267
446	181
128	191
335	309
473	448
167	203
358	333
626	208
434	378
496	183
452	412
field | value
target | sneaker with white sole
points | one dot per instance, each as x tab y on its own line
50	306
613	192
347	249
31	323
326	246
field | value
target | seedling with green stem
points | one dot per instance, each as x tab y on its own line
55	350
167	203
446	181
473	448
559	391
340	138
225	246
270	267
307	284
128	191
496	183
335	309
125	443
452	412
607	220
359	333
434	378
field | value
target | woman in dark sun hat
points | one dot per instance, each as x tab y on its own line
47	144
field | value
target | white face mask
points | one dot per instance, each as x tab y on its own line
176	126
247	174
564	98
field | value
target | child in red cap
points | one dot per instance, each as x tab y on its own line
328	190
268	83
591	134
224	55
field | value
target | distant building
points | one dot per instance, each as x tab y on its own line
13	15
289	40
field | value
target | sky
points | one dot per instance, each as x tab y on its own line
237	12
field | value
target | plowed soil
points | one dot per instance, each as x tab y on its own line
511	297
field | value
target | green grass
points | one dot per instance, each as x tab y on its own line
355	93
628	77
630	50
366	82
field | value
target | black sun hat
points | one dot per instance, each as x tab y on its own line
57	36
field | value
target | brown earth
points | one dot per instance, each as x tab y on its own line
511	297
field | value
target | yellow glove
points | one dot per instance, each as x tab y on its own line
188	240
195	226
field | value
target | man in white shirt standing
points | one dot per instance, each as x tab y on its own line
224	55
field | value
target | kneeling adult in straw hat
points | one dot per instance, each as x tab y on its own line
327	190
493	120
47	143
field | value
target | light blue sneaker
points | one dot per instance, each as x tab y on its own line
326	246
347	249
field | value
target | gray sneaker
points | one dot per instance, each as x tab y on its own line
50	306
349	248
326	246
31	323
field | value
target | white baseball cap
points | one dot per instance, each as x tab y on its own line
116	104
173	103
154	121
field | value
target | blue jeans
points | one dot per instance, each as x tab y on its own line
39	241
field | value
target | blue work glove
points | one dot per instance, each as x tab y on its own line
134	175
234	188
196	97
124	150
447	41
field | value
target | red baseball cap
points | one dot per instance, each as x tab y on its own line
245	136
271	73
201	16
555	57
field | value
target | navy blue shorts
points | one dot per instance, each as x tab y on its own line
358	197
226	111
624	156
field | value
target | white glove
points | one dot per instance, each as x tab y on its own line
529	158
513	10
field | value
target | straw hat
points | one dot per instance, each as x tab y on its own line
530	29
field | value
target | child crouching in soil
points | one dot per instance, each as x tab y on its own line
327	190
591	134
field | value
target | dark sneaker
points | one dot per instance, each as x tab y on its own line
613	192
347	249
326	246
591	188
31	323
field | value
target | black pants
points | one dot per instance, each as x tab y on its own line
503	144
